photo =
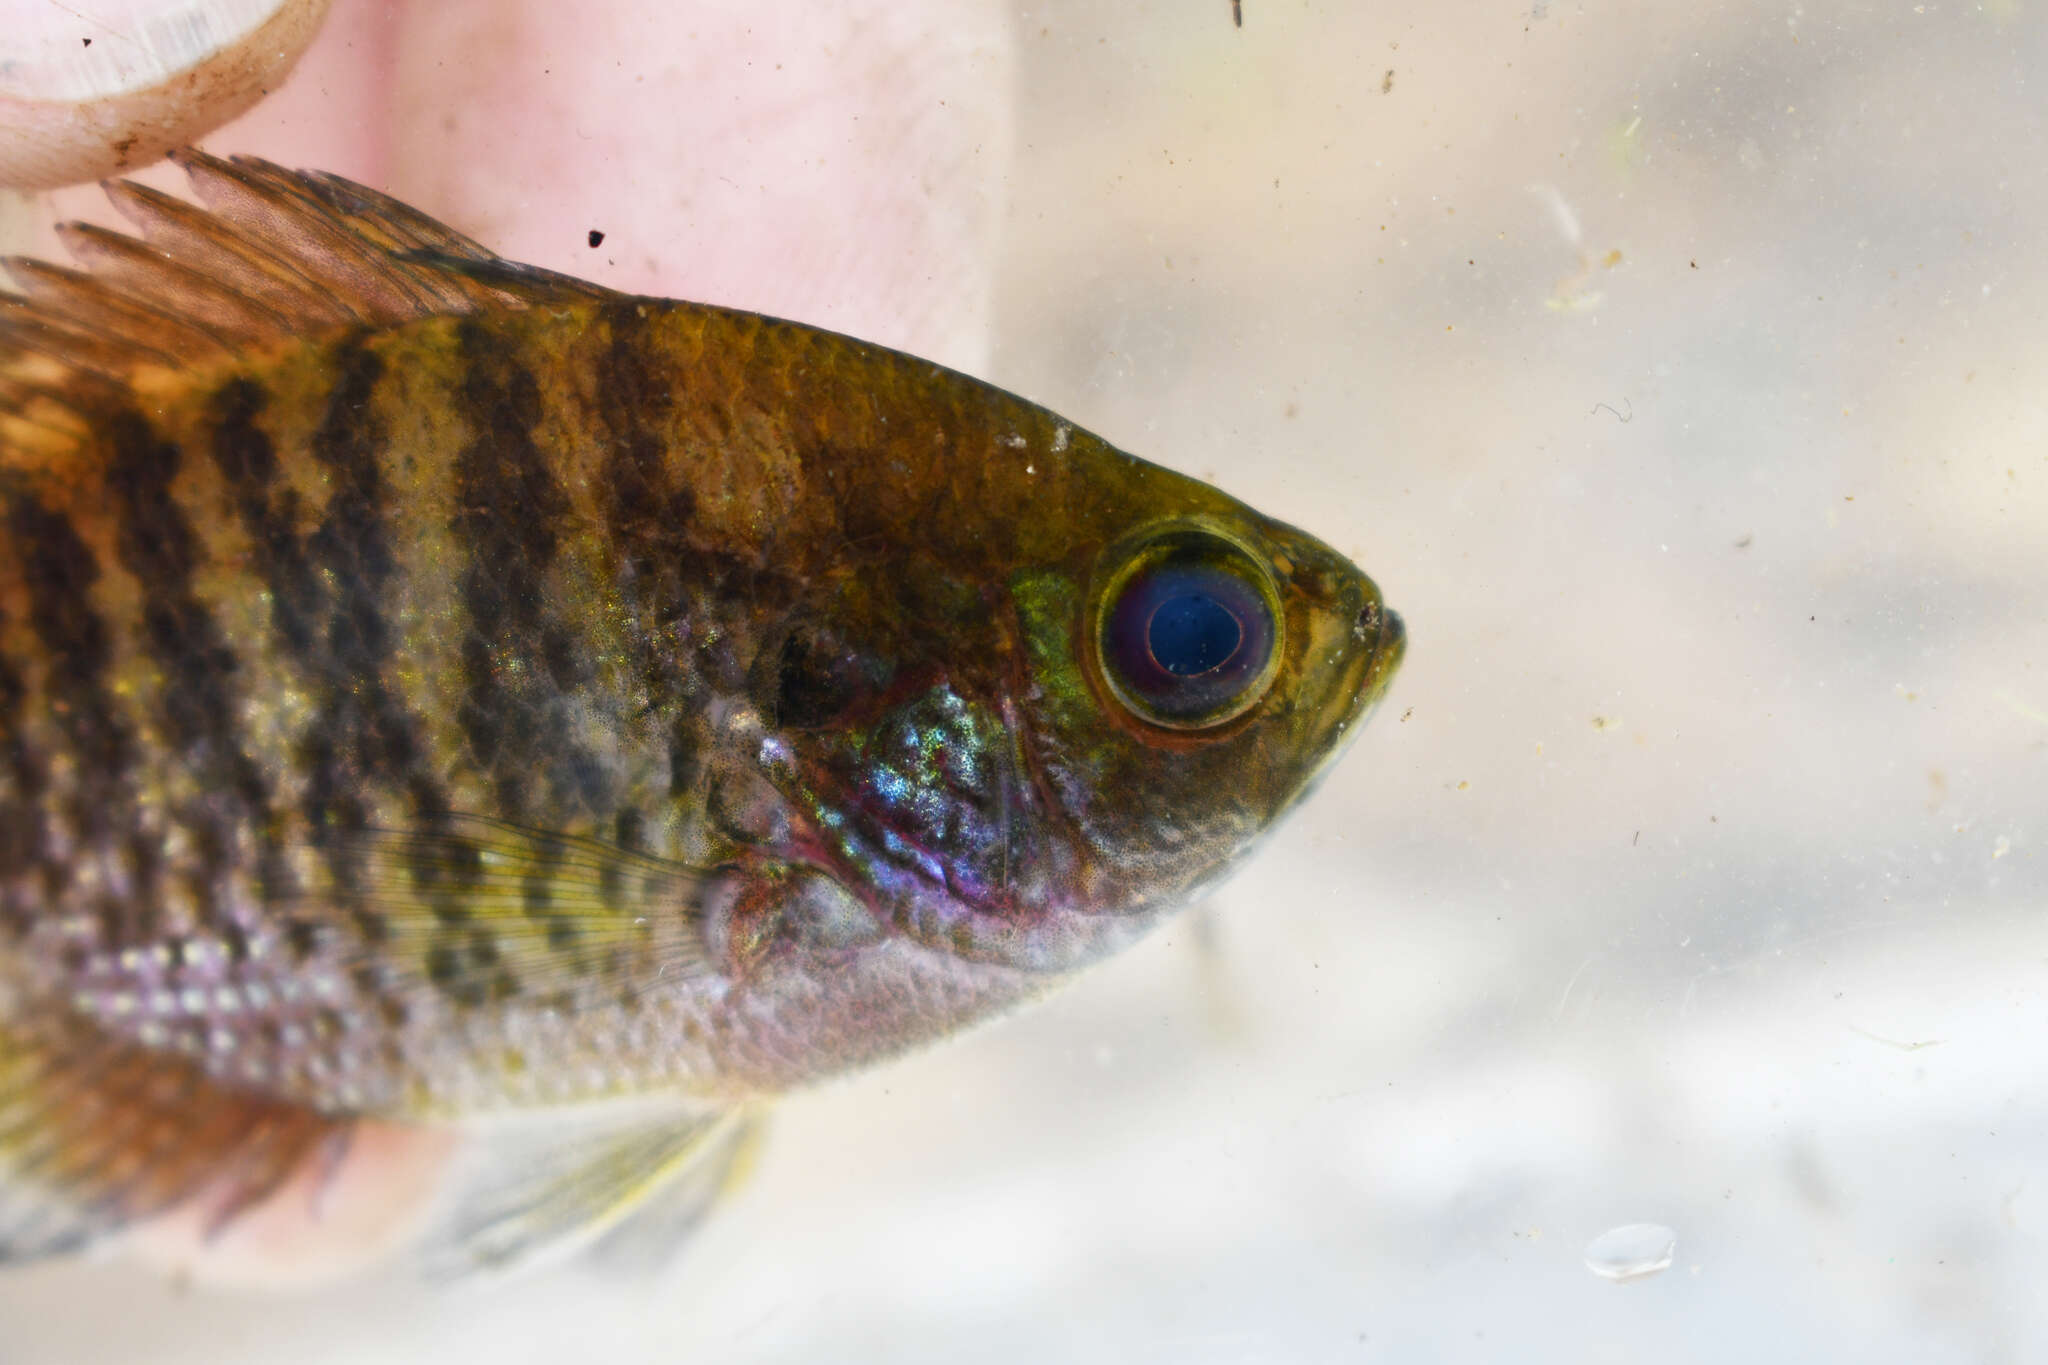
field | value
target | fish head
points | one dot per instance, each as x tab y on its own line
1189	691
1026	742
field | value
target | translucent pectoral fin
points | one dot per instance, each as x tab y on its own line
483	911
628	1188
96	1136
648	1238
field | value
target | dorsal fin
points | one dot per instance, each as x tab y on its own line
272	254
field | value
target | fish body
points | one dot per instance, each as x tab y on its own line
437	691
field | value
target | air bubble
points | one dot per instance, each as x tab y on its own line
1633	1251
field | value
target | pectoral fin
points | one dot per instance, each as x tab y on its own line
481	910
630	1189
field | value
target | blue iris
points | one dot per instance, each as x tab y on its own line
1189	634
1193	633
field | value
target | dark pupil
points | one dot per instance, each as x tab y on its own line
1193	633
1188	636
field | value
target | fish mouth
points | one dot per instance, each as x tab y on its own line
1385	657
1379	641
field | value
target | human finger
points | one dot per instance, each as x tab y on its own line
84	96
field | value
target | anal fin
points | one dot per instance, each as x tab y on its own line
626	1188
98	1135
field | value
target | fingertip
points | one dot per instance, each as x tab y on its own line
85	99
844	168
340	1215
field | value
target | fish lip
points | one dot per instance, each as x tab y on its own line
1387	656
1380	639
1389	645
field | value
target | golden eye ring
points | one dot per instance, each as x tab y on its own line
1187	627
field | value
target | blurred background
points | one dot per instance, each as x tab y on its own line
1677	373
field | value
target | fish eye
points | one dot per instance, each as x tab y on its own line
1189	629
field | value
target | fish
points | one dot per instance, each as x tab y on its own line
444	693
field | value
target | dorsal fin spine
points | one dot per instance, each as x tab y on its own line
148	272
276	254
217	248
78	295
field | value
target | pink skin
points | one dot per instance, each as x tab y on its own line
841	167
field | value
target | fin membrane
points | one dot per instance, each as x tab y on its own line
273	255
96	1135
482	909
629	1189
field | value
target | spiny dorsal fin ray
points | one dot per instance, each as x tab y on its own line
217	247
94	304
398	227
392	261
272	208
274	254
35	330
149	274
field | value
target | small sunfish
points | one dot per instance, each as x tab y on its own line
439	692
